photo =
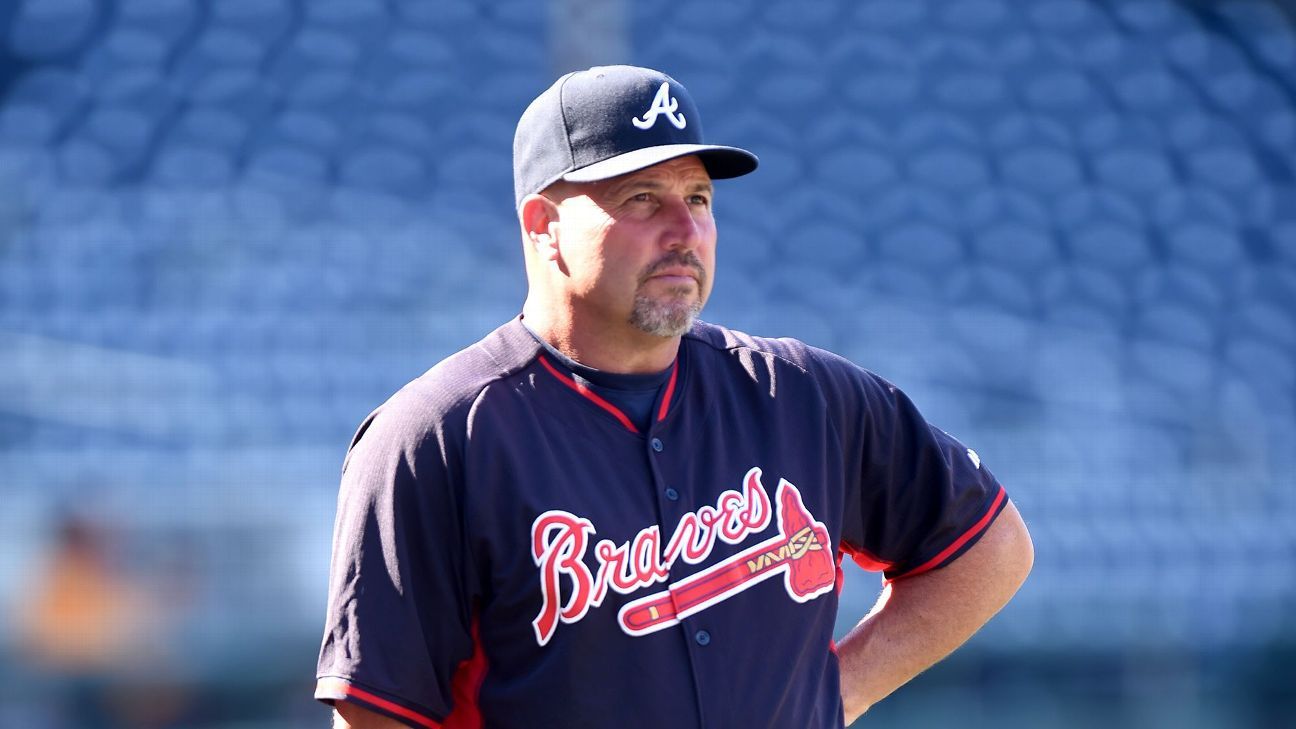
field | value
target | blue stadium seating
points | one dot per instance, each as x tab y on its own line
50	30
1016	246
1067	229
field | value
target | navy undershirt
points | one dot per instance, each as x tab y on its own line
633	394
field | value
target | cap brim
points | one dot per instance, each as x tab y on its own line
721	162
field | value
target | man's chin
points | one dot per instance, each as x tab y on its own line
665	319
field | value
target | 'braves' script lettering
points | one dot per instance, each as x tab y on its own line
569	587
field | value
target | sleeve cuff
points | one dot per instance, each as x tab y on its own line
966	539
331	689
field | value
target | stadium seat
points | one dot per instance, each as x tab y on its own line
216	50
85	162
731	19
821	241
405	49
27	127
1248	17
1015	246
1264	321
797	16
364	20
959	170
866	50
1155	92
921	244
856	170
1278	128
45	30
1138	171
1201	53
905	205
1274	284
1266	366
882	92
268	20
924	129
311	52
387	169
168	18
971	90
125	133
1062	90
1181	283
1175	323
1070	284
1276	47
1047	170
1124	250
212	126
793	95
1076	370
306	128
997	205
124	49
54	98
1231	169
1214	248
1194	204
991	287
889	16
146	89
975	17
1057	16
1282	238
1151	16
1015	129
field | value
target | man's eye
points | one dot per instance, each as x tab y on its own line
700	200
642	197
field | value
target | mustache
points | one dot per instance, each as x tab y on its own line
688	259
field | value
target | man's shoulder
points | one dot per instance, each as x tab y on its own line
793	351
456	382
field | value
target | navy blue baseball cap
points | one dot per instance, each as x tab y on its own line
611	120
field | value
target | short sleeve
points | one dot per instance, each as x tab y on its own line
922	498
399	618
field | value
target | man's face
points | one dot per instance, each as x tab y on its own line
640	248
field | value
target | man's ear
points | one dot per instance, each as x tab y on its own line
540	225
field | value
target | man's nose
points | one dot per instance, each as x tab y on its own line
683	230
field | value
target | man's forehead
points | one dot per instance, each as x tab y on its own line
687	169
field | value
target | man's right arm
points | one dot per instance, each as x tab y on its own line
349	715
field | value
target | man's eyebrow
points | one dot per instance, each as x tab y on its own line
653	184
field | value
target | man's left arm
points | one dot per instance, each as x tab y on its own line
921	619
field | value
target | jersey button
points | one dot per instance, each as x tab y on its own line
657	445
672	494
702	637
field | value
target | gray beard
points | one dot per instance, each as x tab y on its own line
671	318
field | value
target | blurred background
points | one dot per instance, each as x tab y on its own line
230	228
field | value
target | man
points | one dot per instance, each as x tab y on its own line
609	514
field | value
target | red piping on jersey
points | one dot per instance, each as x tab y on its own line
351	692
593	396
958	543
670	390
466	685
865	559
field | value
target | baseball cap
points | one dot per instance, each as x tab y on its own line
611	120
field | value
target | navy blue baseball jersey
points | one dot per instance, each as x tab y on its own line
512	550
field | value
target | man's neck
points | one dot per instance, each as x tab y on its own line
624	350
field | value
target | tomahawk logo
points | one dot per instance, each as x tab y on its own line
800	552
663	104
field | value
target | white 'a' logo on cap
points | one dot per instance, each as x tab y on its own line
662	104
